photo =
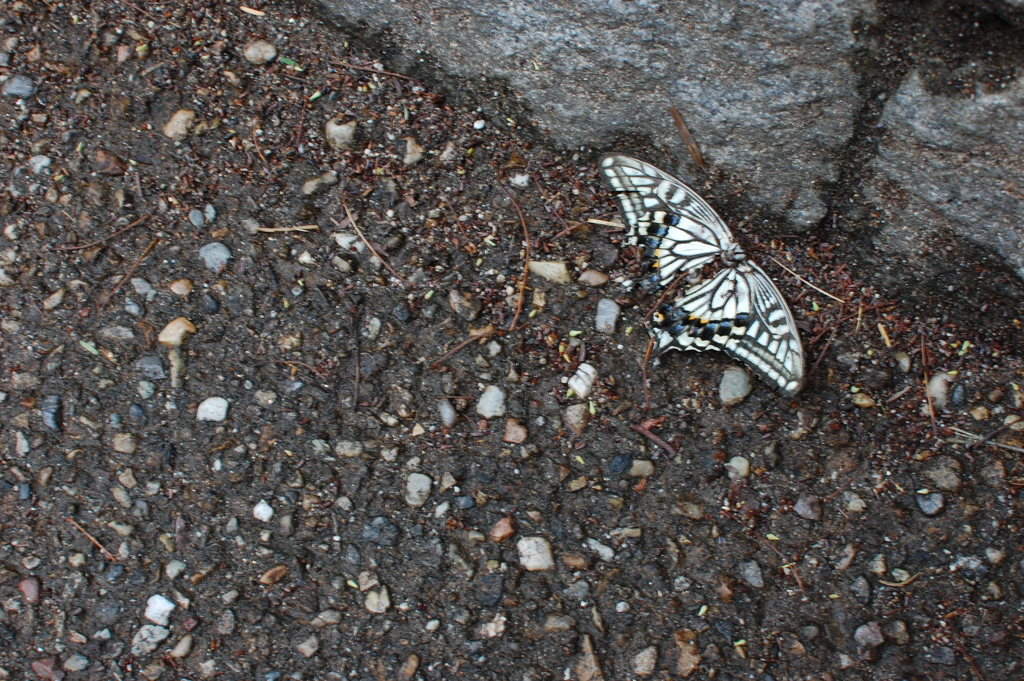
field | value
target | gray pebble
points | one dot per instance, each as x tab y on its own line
152	367
215	256
945	473
607	314
209	212
808	506
734	386
861	590
931	504
447	413
869	635
19	86
941	655
464	502
491	403
259	52
76	663
417	489
50	408
195	216
750	572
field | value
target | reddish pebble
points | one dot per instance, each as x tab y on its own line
29	588
514	432
47	669
502	530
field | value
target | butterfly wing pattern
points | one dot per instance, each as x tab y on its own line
739	311
676	227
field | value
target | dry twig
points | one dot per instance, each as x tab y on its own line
296	228
99	241
381	72
821	291
108	554
647	357
688	140
131	271
486	334
377	255
526	262
654	438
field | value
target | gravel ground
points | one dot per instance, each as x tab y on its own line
276	403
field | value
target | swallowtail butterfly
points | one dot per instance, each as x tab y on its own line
738	311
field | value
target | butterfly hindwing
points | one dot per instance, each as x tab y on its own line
739	312
677	228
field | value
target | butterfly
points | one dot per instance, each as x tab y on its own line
739	311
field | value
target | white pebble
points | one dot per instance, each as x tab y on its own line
520	180
339	135
447	413
263	511
938	390
173	335
173	569
259	52
582	382
535	554
479	124
734	386
492	403
556	271
179	124
215	256
605	553
378	601
433	625
607	314
147	639
212	409
158	609
738	467
417	489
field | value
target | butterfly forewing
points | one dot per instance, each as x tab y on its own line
678	229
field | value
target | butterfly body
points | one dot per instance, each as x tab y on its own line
739	310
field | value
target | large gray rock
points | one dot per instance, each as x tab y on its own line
767	88
951	170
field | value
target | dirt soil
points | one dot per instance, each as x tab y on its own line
354	514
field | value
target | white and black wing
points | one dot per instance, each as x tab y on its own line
677	228
742	313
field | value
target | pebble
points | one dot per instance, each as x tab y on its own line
980	413
938	390
210	212
854	503
19	86
148	638
995	555
325	618
605	553
492	403
50	410
576	418
556	271
479	124
943	655
39	163
348	449
46	669
417	489
582	382
750	572
183	647
29	588
215	256
869	635
75	663
339	135
734	386
502	530
378	601
593	278
143	288
945	473
861	590
146	389
606	316
959	395
274	575
646	661
174	568
931	504
212	409
535	554
309	647
158	609
465	304
738	467
863	400
641	468
173	335
179	124
54	300
259	52
619	464
263	511
315	184
515	432
897	632
265	398
413	152
808	506
125	443
196	217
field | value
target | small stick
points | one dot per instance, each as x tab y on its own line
688	140
295	363
346	65
377	255
131	271
821	291
486	334
99	241
898	395
986	438
260	151
653	438
905	582
526	262
647	392
971	438
302	115
568	229
970	660
927	393
606	223
358	370
111	557
296	228
831	338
